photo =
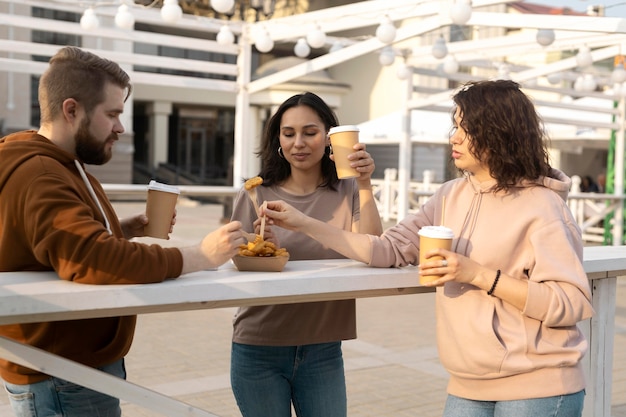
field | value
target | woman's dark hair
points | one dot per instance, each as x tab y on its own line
275	168
505	131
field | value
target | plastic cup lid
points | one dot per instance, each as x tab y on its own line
154	185
344	128
440	232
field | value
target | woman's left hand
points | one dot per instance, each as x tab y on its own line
453	267
363	162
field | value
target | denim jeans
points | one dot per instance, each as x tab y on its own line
570	405
266	380
55	397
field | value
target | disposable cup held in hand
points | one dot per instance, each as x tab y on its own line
342	139
160	208
433	237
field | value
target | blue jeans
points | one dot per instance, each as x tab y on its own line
55	397
570	405
266	380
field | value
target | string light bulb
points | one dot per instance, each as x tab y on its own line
618	75
386	31
439	49
450	65
223	6
225	36
316	38
89	20
263	42
124	19
171	11
301	48
461	12
387	56
583	57
545	37
403	71
336	46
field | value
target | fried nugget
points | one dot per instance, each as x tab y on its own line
253	182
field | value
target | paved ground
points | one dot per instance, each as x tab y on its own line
392	368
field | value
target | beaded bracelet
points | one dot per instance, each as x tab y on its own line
495	282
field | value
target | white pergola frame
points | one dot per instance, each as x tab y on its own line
606	35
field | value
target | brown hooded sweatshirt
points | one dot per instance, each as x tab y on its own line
56	217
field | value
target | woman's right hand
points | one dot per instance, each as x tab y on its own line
284	215
268	234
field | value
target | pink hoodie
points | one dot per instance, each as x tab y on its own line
492	350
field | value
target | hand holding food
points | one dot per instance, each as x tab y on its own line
250	185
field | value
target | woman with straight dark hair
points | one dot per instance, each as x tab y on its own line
290	355
512	288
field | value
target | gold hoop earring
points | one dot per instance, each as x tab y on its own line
280	152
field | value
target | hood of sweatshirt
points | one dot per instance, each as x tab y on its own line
21	146
556	181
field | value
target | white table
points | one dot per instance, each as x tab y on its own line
41	296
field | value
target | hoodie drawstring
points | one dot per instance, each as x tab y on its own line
93	195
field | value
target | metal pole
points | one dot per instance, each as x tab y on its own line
404	152
242	106
618	190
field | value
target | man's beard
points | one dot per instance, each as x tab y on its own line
88	149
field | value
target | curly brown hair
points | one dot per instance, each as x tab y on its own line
505	131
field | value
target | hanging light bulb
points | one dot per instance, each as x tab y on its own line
578	84
302	48
461	12
225	36
337	45
387	56
440	49
263	42
223	6
403	71
618	75
386	31
124	19
555	78
589	83
171	11
504	72
450	65
583	57
89	20
316	38
545	37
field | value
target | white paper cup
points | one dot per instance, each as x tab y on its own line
433	237
342	139
160	206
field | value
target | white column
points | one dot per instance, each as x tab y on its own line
405	154
244	143
158	132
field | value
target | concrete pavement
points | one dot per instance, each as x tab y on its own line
391	369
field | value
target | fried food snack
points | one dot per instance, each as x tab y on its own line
261	247
253	182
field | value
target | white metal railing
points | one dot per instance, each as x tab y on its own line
589	209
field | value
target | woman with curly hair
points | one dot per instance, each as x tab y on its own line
512	288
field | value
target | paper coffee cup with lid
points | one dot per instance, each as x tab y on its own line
433	237
160	207
342	140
